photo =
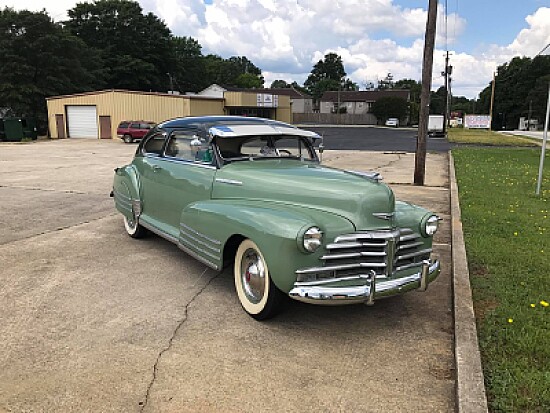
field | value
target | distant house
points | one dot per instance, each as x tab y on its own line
300	102
357	102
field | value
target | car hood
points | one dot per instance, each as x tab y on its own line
308	185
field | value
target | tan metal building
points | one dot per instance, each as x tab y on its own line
97	114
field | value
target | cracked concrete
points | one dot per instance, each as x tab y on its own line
171	339
93	320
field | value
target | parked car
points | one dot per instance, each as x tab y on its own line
251	193
392	122
133	130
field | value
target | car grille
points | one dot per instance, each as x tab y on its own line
380	252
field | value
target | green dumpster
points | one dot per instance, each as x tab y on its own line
29	128
13	129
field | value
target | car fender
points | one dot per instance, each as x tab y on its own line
126	190
207	228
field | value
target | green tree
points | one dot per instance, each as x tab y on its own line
228	71
40	59
415	88
386	83
519	91
389	107
136	47
248	81
279	84
328	74
188	73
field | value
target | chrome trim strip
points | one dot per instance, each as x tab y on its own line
228	181
321	294
355	245
200	250
185	234
407	246
120	194
407	266
183	161
314	270
384	215
212	240
197	256
378	235
158	231
410	237
414	254
353	255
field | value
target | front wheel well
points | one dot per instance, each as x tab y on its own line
230	248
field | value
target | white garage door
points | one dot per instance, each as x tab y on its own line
82	121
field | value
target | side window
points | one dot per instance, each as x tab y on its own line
123	125
154	144
146	126
187	146
134	126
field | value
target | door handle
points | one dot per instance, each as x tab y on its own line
156	168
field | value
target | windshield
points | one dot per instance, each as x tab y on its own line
265	147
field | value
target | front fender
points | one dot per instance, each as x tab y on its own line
276	229
126	189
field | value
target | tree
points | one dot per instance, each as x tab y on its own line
40	59
328	74
389	107
188	73
279	84
136	48
519	91
229	71
415	88
249	81
386	83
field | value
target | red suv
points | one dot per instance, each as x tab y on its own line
133	130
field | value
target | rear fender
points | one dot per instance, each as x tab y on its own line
126	191
277	229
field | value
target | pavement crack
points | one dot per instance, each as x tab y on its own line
63	191
112	214
179	325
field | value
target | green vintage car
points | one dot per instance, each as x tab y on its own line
251	193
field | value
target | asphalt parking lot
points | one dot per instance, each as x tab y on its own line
92	320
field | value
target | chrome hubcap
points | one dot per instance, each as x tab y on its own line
253	276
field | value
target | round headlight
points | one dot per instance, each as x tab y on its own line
313	239
431	225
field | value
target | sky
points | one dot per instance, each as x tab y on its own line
285	38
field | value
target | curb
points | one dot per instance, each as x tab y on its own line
470	388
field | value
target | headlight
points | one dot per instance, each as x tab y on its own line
430	226
313	239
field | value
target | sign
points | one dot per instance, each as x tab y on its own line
477	122
267	100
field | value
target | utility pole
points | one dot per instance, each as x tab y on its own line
446	74
529	115
427	70
492	102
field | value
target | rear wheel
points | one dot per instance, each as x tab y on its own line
259	297
128	138
133	228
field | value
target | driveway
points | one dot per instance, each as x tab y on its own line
92	320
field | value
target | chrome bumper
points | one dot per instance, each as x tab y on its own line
318	292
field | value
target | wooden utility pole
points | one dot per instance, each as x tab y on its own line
427	69
492	102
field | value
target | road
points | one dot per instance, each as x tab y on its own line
94	321
370	138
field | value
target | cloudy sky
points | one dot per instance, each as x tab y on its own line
374	37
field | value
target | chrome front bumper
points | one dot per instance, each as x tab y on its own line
371	288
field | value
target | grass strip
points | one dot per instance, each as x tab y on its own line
484	137
506	231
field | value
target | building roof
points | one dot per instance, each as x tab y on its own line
293	93
138	92
363	95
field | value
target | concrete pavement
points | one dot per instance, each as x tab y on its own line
93	320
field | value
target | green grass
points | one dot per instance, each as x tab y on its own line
484	137
507	235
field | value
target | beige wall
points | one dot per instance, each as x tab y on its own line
120	105
123	105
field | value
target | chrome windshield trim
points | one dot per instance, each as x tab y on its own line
180	161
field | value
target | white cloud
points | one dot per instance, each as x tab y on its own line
374	37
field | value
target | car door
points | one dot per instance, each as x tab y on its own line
186	175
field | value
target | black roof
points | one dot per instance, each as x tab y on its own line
209	121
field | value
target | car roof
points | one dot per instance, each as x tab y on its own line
233	131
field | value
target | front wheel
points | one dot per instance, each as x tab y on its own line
259	297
